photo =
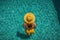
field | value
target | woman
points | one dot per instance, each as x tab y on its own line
29	24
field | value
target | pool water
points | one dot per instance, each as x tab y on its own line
12	19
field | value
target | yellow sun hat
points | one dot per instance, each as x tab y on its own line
29	18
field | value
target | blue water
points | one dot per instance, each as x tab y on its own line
12	19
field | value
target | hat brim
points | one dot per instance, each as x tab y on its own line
25	17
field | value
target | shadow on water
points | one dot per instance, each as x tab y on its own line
57	7
22	36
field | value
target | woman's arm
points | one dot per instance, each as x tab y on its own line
34	25
25	25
